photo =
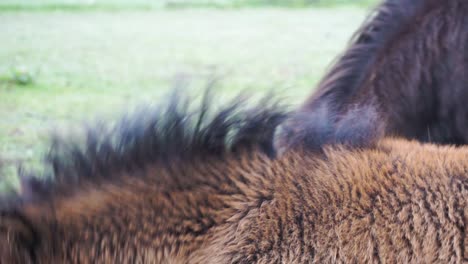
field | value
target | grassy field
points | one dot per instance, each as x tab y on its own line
99	63
113	5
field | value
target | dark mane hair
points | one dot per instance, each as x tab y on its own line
401	75
377	32
178	130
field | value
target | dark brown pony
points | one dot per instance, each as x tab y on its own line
404	74
177	186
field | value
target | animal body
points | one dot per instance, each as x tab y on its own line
177	186
404	74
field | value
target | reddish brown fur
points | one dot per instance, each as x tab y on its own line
398	203
403	74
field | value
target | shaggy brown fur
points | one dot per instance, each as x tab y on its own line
403	74
194	200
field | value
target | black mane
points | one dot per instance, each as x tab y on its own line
388	19
332	115
176	131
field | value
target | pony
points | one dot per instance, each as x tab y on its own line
403	74
188	184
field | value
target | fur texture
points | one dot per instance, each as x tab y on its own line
405	69
168	187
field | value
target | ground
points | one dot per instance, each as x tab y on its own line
98	63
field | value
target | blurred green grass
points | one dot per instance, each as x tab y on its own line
100	63
116	5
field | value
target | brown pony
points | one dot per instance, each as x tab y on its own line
404	74
178	186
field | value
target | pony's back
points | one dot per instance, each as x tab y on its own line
398	202
401	202
154	188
